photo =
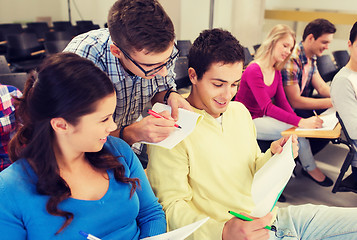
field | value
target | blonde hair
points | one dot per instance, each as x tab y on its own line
265	50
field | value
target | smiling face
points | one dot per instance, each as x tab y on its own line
216	88
319	45
90	133
283	48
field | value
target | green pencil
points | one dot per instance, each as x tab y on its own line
240	216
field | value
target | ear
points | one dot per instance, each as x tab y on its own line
310	37
115	51
349	44
59	125
192	75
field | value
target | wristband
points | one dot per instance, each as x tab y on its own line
167	94
121	132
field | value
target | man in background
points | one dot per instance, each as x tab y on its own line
300	78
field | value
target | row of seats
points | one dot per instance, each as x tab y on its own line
41	28
29	52
25	48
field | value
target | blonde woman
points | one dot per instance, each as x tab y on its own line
261	91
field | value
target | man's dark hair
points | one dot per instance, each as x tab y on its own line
318	27
353	33
140	24
213	46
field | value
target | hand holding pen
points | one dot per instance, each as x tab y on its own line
311	122
235	228
155	114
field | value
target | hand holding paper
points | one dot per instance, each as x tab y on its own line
187	121
270	180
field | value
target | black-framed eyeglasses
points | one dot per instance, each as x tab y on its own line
155	70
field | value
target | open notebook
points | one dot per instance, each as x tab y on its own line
330	121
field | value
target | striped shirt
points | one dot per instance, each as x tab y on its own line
296	71
7	121
133	93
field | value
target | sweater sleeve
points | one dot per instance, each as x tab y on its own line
11	225
345	102
282	102
257	86
168	174
151	218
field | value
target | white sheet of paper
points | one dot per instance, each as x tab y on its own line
271	179
329	118
179	234
187	121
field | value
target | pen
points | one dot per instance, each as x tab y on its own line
314	113
155	114
240	216
88	236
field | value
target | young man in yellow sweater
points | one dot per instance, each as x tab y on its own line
211	171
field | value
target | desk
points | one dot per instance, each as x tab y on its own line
328	134
347	184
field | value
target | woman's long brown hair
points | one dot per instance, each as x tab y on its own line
66	86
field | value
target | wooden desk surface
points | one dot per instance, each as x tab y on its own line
330	134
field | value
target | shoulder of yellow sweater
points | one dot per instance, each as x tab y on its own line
239	108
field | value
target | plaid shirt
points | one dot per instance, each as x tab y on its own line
7	121
294	69
133	93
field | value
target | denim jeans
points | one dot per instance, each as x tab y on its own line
270	129
315	222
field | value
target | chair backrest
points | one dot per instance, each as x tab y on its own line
326	67
20	46
10	28
247	56
53	47
181	69
256	47
62	25
55	36
39	28
344	130
341	57
184	47
17	80
4	67
84	23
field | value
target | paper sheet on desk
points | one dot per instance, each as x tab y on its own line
187	121
271	179
179	234
329	118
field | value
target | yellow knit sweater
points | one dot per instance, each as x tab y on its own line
209	172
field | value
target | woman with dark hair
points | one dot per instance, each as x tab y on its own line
68	174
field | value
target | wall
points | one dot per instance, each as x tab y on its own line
27	11
244	18
342	33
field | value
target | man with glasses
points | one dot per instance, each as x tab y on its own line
138	54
